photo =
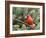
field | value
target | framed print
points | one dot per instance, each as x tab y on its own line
24	18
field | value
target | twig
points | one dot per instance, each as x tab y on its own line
21	21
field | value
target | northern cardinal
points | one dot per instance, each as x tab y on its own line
29	20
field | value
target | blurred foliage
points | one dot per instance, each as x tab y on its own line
20	14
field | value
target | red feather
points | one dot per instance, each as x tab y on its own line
29	20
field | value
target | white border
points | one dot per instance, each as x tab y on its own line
25	31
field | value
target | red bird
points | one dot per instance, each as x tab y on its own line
29	20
